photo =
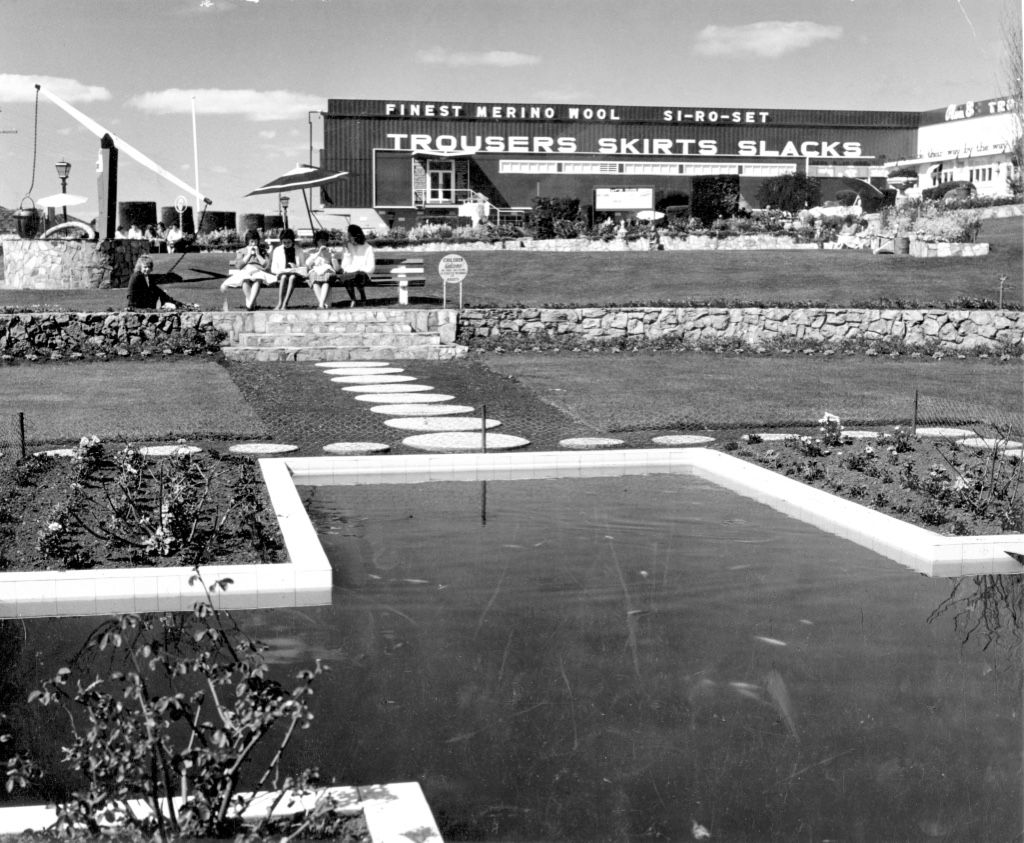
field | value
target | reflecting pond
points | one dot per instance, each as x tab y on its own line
639	658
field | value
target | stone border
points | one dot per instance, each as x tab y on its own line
393	812
305	580
913	547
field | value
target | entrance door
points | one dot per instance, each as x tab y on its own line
441	182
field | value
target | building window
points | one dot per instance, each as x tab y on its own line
770	170
981	174
441	182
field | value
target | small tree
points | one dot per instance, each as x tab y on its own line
555	217
1013	73
790	192
714	197
171	710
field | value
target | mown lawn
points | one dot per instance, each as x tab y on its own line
649	391
534	279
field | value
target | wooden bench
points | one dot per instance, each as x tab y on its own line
398	272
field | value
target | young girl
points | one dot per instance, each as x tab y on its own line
357	264
287	263
323	269
250	271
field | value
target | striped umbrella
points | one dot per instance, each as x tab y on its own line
301	177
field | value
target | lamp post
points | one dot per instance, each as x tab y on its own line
284	200
63	170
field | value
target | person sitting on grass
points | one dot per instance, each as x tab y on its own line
143	292
288	264
250	273
323	269
357	264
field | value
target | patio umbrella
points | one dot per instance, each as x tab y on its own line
650	216
61	200
865	189
300	177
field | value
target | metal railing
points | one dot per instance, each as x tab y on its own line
455	196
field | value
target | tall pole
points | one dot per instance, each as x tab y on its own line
195	160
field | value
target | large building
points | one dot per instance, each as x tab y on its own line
415	160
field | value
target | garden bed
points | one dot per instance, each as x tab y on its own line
940	484
112	507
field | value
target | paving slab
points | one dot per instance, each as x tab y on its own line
464	441
440	424
407	398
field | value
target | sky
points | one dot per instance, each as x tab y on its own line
253	70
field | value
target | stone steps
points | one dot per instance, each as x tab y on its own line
341	334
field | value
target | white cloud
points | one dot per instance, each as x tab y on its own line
769	39
15	87
490	58
260	106
268	134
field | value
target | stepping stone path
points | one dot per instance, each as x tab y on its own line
421	409
351	364
683	439
861	434
984	442
56	452
441	427
357	448
373	379
382	388
586	442
262	448
951	432
464	441
407	398
344	370
439	424
168	450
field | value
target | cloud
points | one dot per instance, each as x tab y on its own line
768	39
490	58
267	134
260	106
18	88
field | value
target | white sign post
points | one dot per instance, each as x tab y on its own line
180	204
453	269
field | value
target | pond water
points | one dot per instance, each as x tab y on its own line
635	658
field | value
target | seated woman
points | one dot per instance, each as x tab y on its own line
357	264
250	273
323	269
143	293
850	235
288	264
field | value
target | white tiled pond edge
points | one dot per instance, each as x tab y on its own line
394	813
305	580
915	547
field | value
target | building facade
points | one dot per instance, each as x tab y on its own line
414	160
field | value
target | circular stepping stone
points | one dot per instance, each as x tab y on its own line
168	450
421	409
262	448
345	370
586	442
464	441
352	364
407	398
951	432
383	388
57	452
439	424
861	434
373	379
985	442
683	439
356	448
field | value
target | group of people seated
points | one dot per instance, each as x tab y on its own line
321	268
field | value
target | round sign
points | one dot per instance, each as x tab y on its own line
452	269
180	204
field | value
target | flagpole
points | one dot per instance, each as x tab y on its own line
195	160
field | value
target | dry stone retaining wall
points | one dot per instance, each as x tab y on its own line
955	331
72	336
68	264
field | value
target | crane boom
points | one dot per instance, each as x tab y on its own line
125	147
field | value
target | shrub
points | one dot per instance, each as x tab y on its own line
555	217
940	190
790	192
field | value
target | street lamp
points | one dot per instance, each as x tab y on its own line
63	170
284	200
